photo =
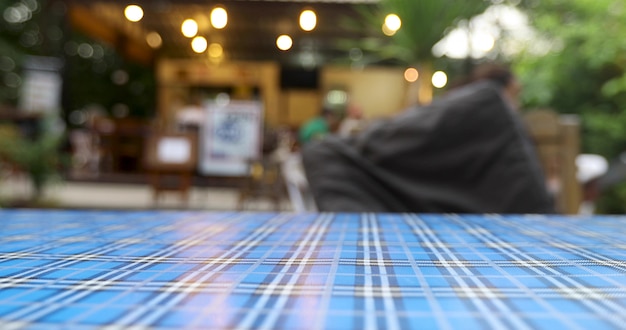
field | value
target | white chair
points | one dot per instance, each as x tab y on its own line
296	183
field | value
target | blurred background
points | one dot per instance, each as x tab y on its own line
109	103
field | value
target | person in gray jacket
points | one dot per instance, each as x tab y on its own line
466	152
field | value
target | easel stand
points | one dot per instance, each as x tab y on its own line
171	181
170	160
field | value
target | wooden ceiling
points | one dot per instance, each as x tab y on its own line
251	33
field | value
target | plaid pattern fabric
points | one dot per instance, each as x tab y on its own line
227	270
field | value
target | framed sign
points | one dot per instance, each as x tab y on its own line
231	136
172	152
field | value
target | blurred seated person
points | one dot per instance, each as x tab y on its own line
325	123
466	152
353	121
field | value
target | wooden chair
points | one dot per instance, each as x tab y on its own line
557	140
297	184
264	181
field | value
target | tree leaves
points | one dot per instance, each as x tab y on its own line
586	76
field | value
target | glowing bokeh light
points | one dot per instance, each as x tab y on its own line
219	18
411	74
393	22
387	31
216	50
308	20
85	50
284	42
199	44
189	28
440	79
154	39
133	13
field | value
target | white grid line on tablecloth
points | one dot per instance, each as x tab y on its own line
558	281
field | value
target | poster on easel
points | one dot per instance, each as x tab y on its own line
41	89
231	136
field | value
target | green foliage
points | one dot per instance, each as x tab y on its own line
584	73
40	156
424	23
89	81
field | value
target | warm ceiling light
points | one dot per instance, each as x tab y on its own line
219	17
393	22
308	20
199	44
154	40
284	42
440	79
216	50
411	75
189	28
133	13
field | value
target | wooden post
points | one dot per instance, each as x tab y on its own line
570	140
557	141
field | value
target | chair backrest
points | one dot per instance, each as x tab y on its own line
557	140
297	185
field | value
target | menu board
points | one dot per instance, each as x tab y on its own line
171	152
231	136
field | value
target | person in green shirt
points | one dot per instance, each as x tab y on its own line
326	122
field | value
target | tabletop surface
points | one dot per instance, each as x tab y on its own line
230	270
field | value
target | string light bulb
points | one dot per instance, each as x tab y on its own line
133	13
393	22
199	44
440	79
308	20
284	42
219	18
189	28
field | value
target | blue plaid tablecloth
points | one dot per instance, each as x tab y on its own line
205	270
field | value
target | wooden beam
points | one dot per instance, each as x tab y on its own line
82	19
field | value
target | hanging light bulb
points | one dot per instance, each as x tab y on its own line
308	20
439	79
219	18
284	42
393	22
133	13
189	28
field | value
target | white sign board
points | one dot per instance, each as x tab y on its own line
174	150
41	89
231	135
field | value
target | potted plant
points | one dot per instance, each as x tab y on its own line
39	157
